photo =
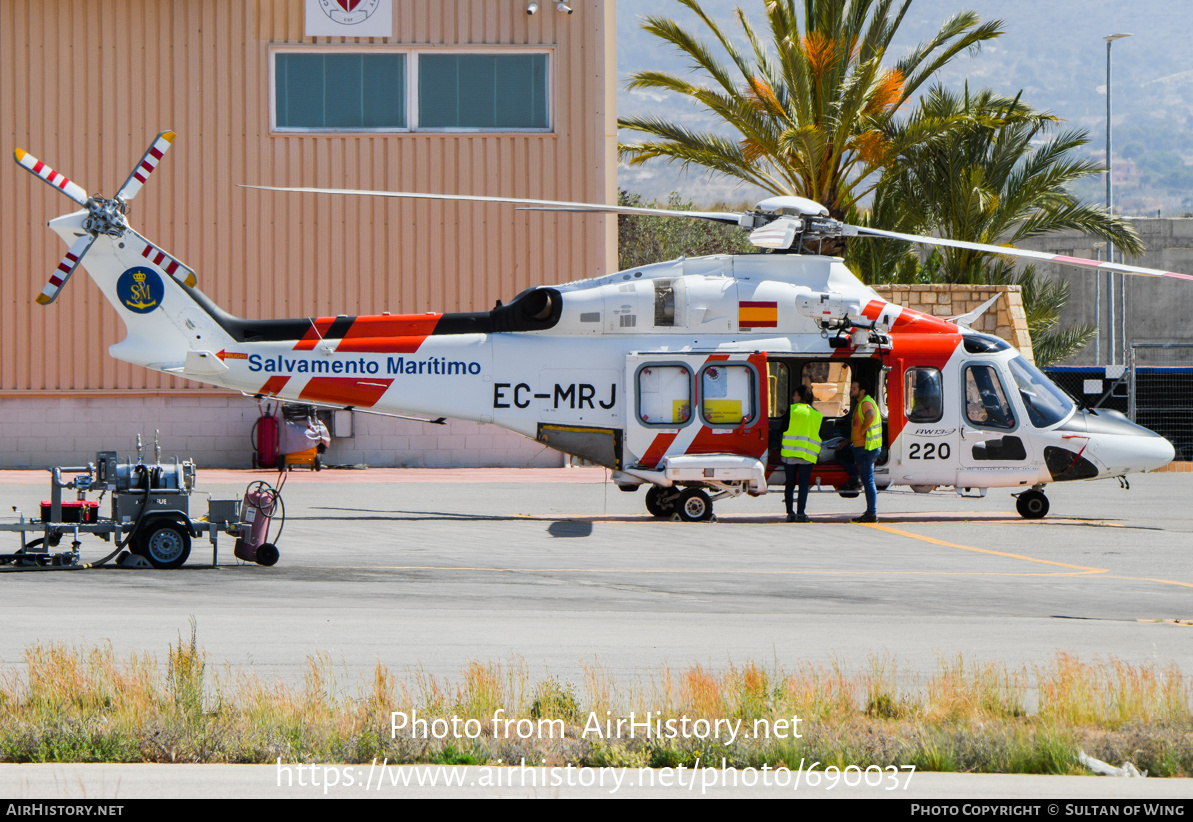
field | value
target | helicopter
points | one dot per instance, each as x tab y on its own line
675	375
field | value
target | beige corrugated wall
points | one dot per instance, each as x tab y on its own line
85	85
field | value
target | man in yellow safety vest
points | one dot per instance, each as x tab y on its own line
865	442
801	447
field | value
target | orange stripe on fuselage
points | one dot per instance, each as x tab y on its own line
360	393
381	345
314	334
657	449
274	385
380	334
911	321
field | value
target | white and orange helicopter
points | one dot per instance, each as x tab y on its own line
676	376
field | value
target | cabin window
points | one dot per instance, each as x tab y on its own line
664	395
664	303
923	394
985	402
727	393
829	382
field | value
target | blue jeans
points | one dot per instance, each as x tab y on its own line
859	464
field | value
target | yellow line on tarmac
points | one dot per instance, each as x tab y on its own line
888	529
1150	579
1085	570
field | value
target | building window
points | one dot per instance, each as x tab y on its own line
505	92
337	90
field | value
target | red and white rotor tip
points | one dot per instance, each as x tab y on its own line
65	268
58	181
144	168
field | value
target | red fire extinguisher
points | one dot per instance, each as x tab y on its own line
261	501
264	437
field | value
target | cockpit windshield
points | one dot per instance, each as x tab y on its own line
1046	404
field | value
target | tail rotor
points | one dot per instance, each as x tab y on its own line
106	216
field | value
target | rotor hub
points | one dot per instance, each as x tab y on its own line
105	217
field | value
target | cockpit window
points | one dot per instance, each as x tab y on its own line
984	344
923	394
1046	404
985	403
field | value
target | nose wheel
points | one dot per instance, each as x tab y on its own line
1032	504
695	506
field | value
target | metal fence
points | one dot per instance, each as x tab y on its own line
1160	394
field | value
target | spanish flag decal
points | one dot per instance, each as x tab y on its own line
757	314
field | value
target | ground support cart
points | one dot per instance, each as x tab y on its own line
149	517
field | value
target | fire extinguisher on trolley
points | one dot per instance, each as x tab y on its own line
260	504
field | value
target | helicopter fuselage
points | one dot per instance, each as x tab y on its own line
677	374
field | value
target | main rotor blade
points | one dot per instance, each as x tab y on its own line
65	268
538	205
171	265
1021	252
149	161
58	181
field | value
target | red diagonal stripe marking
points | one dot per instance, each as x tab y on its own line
363	392
274	385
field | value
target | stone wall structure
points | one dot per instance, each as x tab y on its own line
1006	319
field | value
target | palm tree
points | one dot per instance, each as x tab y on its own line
996	176
643	239
813	114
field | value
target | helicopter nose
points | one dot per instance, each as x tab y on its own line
1133	452
1160	454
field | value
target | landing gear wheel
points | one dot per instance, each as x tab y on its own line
660	502
165	545
1032	504
694	506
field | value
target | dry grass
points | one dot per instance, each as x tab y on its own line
76	704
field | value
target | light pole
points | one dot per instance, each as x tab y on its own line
1110	212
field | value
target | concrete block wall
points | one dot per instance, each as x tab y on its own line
1156	308
1006	319
213	430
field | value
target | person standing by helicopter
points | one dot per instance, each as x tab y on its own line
859	457
801	447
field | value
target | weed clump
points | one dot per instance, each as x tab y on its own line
90	705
